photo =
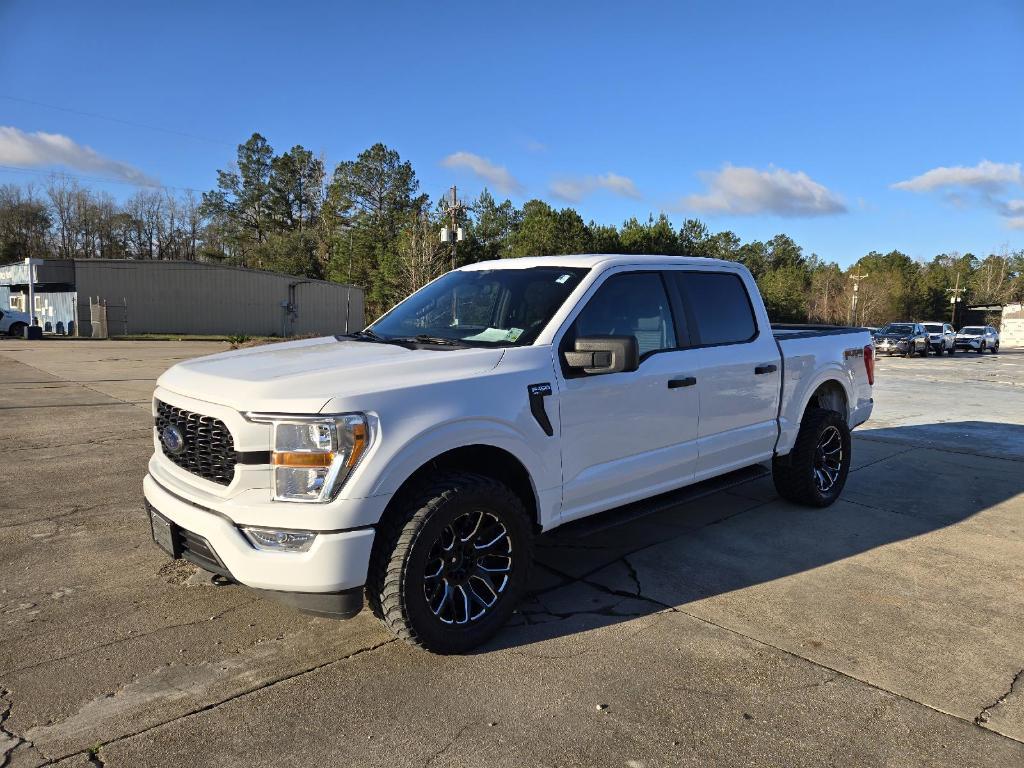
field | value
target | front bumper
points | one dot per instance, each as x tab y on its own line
336	563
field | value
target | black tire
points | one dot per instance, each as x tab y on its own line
925	349
951	351
981	349
17	329
413	538
795	475
995	349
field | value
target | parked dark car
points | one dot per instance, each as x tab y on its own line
902	339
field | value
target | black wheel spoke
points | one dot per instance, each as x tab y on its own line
468	568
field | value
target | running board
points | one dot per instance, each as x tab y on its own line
612	518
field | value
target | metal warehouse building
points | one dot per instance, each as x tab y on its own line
81	296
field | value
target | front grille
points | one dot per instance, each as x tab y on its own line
208	450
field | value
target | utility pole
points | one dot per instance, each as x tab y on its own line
955	299
453	233
851	318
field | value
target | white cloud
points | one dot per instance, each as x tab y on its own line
985	175
574	189
748	191
29	150
985	184
497	175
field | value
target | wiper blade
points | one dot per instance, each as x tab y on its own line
424	338
366	335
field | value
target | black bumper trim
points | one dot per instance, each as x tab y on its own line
330	605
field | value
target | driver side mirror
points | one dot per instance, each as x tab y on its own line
604	354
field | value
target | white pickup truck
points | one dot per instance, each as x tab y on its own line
416	460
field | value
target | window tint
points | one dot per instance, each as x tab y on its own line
630	305
719	304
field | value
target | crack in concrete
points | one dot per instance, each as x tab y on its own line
214	705
632	574
983	717
141	434
15	741
53	518
138	636
446	747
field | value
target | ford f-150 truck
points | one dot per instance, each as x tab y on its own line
416	460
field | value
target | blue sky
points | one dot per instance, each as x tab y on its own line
799	118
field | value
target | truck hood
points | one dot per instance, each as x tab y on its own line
302	376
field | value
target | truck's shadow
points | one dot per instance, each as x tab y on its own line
906	482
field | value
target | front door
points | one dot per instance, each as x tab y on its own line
631	434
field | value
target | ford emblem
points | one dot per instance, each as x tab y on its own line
172	439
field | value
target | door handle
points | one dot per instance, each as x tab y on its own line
765	369
689	381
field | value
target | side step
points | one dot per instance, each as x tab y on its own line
602	521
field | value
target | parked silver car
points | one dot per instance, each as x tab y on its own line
942	337
978	338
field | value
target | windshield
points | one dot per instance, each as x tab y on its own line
972	331
491	308
901	329
933	327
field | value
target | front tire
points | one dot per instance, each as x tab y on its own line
815	471
981	349
951	351
452	564
17	329
995	349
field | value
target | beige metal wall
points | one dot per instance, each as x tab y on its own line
188	297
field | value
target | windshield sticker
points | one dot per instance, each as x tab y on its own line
492	334
514	333
561	280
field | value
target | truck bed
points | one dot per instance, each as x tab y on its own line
784	331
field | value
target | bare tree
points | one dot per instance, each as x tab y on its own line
420	256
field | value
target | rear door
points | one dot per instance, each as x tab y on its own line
740	370
631	434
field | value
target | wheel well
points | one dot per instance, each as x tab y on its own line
486	460
830	396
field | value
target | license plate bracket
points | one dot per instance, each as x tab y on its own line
163	533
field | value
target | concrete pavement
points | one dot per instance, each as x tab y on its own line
732	629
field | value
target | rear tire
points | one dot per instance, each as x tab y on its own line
17	329
433	579
995	349
813	474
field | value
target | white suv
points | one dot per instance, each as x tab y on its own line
941	336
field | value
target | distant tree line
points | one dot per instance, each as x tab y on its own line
367	223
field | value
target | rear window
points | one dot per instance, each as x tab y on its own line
719	305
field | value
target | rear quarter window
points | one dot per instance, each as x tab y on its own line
718	306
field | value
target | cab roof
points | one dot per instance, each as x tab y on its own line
591	260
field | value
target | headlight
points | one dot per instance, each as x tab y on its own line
312	456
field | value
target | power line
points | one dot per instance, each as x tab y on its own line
117	120
98	179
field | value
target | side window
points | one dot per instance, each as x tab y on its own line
633	304
720	307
